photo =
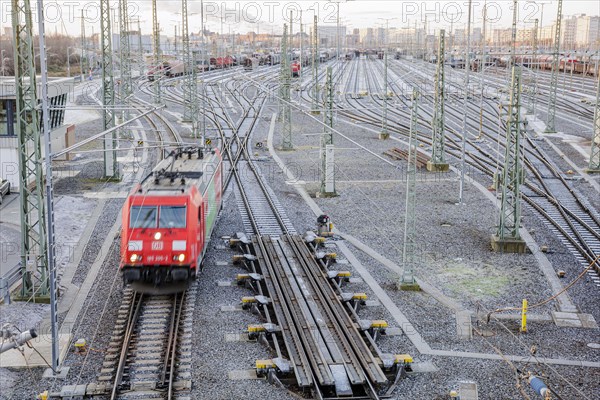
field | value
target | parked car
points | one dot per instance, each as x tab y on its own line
4	189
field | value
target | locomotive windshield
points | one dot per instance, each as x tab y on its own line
142	217
172	217
168	217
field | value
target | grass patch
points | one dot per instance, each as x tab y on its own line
475	280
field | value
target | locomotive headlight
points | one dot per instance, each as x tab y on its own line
181	257
157	236
134	258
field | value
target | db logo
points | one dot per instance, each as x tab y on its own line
157	245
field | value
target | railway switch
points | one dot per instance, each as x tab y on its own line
324	226
264	366
242	258
255	330
339	276
80	346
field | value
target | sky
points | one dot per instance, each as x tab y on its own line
268	16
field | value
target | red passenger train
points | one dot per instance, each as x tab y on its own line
168	219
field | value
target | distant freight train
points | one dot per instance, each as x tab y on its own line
168	220
169	69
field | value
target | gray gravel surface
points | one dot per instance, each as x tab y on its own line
455	250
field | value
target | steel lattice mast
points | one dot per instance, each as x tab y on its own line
285	81
438	156
188	66
327	151
125	87
48	196
108	92
31	179
157	55
508	238
124	51
594	165
384	116
83	47
141	49
533	87
410	218
550	126
315	71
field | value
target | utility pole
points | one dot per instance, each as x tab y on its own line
327	149
315	109
108	92
34	257
188	83
482	71
513	37
550	126
594	165
83	48
507	238
157	55
141	49
124	51
50	245
285	80
125	88
463	154
384	134
533	87
408	281
204	65
438	156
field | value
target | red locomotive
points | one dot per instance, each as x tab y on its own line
295	69
168	219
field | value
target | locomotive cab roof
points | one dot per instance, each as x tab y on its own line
182	168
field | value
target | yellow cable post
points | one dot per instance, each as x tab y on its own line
524	316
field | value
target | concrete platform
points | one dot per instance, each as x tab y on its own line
30	358
468	391
508	245
574	320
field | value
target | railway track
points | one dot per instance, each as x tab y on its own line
547	192
149	355
323	348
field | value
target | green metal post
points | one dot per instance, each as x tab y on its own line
33	218
384	118
157	55
315	109
508	238
438	156
285	81
409	255
108	92
550	122
594	165
327	150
